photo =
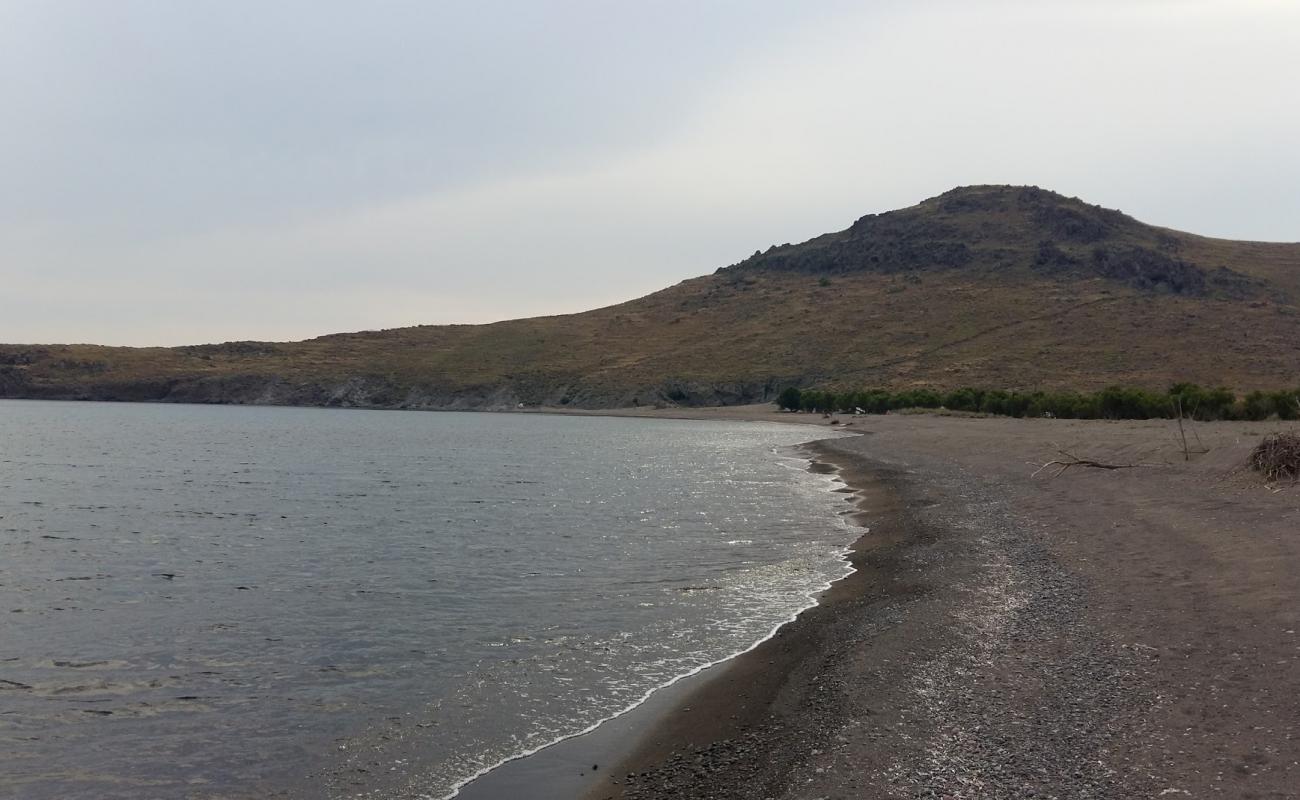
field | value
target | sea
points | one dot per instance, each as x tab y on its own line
236	602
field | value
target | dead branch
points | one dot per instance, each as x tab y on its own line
1071	460
1186	455
1278	456
1182	434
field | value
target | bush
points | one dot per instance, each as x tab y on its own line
790	399
845	402
966	399
1266	405
822	402
1257	406
1064	405
926	398
994	402
1119	402
1017	404
1113	402
874	402
1200	403
1287	404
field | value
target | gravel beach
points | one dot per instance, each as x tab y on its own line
1095	634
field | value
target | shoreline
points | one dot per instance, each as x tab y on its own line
746	687
1102	633
616	735
1113	634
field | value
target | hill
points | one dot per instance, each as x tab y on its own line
1011	287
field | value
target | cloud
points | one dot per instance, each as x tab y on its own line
1172	111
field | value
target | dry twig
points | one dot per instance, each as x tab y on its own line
1071	460
1182	434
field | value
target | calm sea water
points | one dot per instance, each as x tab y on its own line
224	602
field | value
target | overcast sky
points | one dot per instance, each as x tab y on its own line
192	171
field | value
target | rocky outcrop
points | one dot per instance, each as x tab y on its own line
1003	228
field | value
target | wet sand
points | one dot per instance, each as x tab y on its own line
1117	634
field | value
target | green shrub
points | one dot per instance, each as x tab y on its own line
1201	403
845	402
1120	402
820	402
994	402
1256	406
915	398
874	402
1113	402
790	399
1287	404
966	399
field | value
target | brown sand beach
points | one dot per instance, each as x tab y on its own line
1096	634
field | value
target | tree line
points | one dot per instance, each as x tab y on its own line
1114	402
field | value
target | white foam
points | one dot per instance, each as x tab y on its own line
821	483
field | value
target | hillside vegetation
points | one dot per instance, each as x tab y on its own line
1014	287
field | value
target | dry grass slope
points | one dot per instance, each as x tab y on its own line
1013	287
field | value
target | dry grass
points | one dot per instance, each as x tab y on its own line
953	330
999	321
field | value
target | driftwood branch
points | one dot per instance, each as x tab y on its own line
1068	460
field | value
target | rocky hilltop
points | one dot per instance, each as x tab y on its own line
1013	287
991	228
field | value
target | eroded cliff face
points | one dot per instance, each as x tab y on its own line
382	393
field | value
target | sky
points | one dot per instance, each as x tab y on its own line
206	171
